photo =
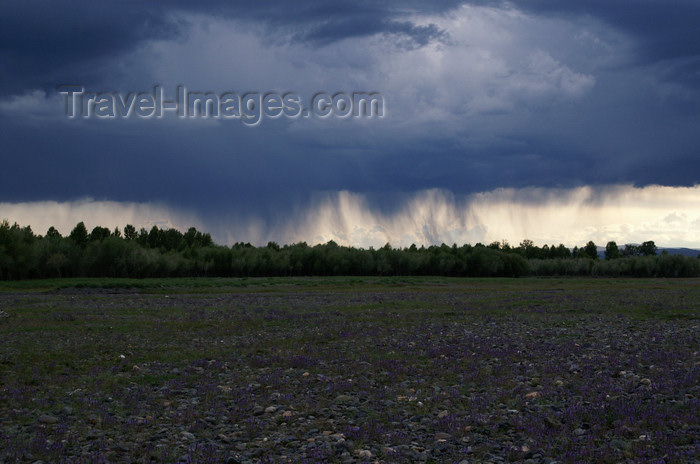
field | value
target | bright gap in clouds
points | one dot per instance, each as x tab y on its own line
668	215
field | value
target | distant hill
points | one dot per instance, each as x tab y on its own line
671	251
681	251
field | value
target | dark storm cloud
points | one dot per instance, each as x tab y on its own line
44	42
359	26
664	30
617	125
210	169
322	22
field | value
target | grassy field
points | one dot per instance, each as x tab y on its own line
350	370
351	283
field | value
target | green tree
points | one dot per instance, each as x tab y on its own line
590	250
648	248
172	239
194	238
142	238
630	250
559	252
79	234
611	251
99	233
53	233
155	237
528	249
130	232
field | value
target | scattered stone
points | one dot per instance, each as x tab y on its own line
123	447
222	412
552	422
48	419
620	444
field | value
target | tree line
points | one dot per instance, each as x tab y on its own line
168	252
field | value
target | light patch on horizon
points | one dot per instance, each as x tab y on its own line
670	216
63	216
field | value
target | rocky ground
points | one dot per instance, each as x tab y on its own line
553	371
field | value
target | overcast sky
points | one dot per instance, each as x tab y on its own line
548	120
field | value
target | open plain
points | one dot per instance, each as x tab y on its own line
350	370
